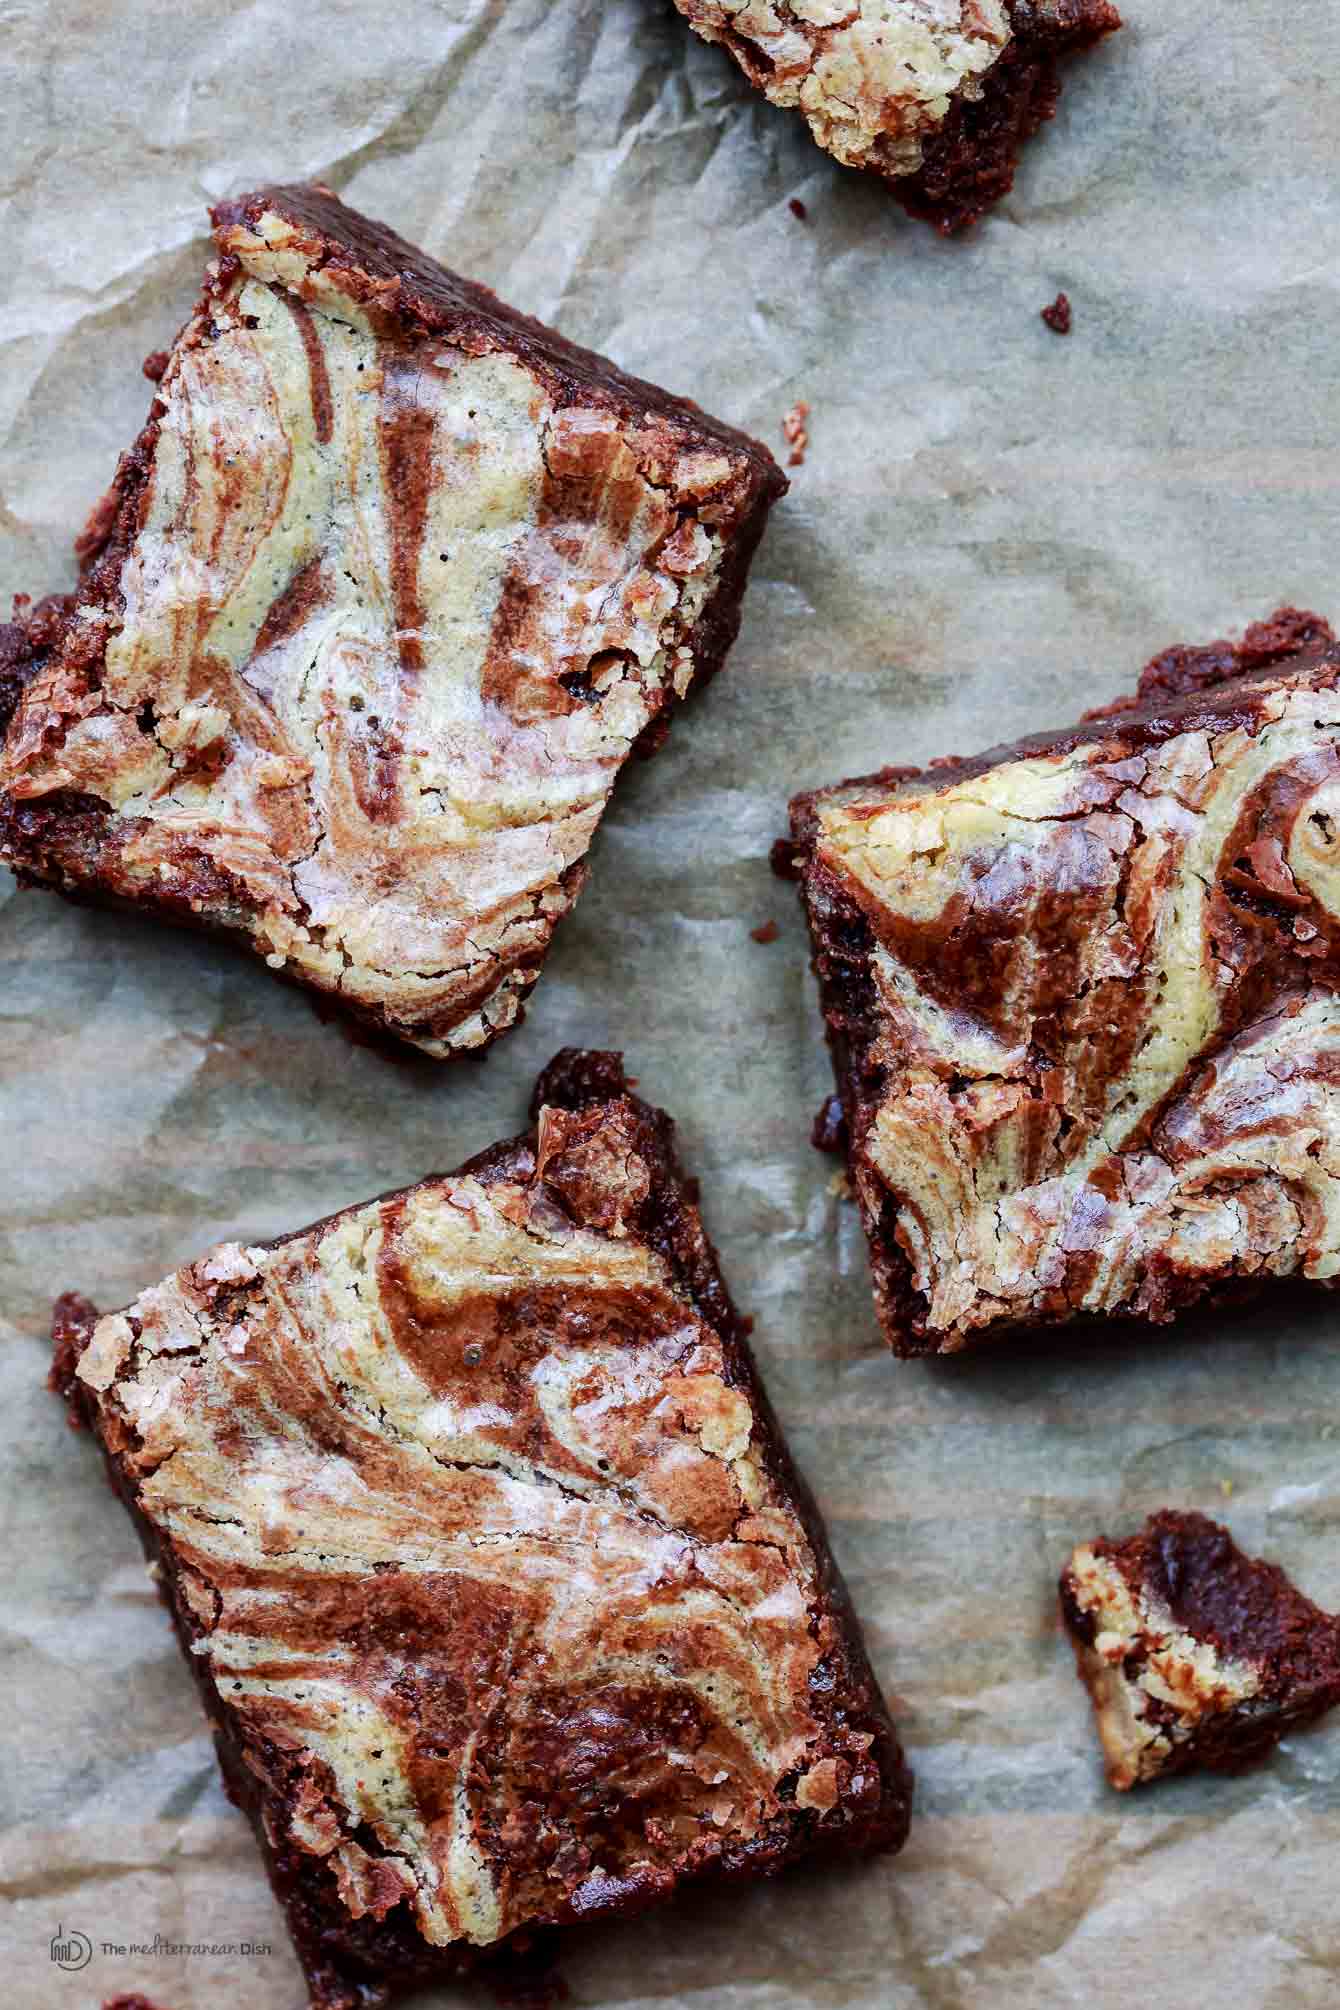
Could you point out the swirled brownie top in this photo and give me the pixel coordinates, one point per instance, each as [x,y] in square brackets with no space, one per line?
[384,596]
[490,1563]
[1082,994]
[936,96]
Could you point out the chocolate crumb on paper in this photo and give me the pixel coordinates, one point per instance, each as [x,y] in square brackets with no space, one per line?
[798,209]
[796,433]
[1059,317]
[767,931]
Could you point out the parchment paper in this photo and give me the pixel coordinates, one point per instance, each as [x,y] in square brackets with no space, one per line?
[994,528]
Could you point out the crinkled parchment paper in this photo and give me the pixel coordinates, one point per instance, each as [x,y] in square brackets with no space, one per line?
[994,527]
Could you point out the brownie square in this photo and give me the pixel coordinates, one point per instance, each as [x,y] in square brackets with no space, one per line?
[1194,1654]
[390,586]
[935,96]
[1081,995]
[504,1598]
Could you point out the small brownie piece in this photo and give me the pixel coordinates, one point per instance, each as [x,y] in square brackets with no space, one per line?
[1194,1654]
[383,597]
[1081,995]
[502,1593]
[935,96]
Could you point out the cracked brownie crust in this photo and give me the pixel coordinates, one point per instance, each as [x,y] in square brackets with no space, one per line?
[1082,999]
[936,96]
[1194,1655]
[506,1603]
[391,585]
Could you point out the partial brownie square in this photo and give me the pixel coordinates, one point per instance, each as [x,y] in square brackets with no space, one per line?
[390,586]
[1081,995]
[1194,1654]
[503,1596]
[935,96]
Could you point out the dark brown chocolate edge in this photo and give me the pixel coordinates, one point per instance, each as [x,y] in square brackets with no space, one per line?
[1181,688]
[356,1964]
[969,164]
[1247,1610]
[48,841]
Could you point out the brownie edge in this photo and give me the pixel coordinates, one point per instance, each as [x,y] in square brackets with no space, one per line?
[676,1694]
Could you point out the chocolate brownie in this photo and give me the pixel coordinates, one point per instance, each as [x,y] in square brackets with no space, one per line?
[1081,995]
[935,96]
[383,597]
[1194,1654]
[504,1598]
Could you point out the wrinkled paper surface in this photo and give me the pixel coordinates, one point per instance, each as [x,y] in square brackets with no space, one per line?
[993,529]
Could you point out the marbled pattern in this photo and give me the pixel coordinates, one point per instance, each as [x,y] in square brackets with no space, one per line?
[479,1540]
[1104,1038]
[398,607]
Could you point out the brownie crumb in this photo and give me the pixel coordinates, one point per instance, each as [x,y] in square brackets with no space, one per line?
[796,433]
[154,364]
[797,209]
[767,931]
[1059,317]
[131,2001]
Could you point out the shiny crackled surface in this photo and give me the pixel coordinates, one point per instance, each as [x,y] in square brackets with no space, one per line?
[392,624]
[1153,1683]
[1104,1018]
[873,79]
[464,1510]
